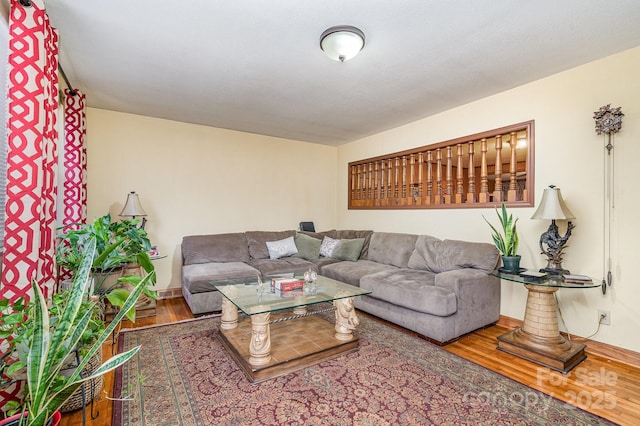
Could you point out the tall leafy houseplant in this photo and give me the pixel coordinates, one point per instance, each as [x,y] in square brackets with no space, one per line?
[506,239]
[117,243]
[52,339]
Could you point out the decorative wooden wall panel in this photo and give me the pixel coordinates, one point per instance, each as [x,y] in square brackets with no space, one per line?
[462,173]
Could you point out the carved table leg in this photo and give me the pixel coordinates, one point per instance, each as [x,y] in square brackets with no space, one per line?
[300,310]
[260,345]
[346,319]
[229,318]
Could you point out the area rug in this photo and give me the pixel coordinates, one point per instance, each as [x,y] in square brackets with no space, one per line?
[184,376]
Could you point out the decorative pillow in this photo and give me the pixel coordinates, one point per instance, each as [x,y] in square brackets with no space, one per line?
[328,245]
[350,234]
[348,249]
[281,248]
[257,241]
[308,247]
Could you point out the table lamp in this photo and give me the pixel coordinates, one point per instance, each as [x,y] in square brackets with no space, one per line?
[552,207]
[132,208]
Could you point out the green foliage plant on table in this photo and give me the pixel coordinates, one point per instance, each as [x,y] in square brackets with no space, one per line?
[506,241]
[52,339]
[117,243]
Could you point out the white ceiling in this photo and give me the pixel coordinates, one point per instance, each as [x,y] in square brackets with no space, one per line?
[256,65]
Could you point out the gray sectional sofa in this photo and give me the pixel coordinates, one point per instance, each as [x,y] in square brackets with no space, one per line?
[440,289]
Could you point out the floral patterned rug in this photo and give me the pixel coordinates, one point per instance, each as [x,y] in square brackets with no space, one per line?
[183,376]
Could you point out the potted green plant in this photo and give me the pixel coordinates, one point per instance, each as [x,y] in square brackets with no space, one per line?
[13,325]
[117,243]
[52,337]
[506,240]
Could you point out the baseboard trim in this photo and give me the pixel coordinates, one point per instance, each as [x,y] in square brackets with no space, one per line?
[169,293]
[605,350]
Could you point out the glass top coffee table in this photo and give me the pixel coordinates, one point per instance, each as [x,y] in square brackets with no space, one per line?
[284,333]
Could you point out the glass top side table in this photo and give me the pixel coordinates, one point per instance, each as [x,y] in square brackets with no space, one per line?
[539,339]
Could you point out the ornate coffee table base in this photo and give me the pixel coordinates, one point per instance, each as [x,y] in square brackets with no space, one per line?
[267,347]
[539,339]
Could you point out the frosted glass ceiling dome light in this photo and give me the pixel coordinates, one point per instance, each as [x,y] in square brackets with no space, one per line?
[342,43]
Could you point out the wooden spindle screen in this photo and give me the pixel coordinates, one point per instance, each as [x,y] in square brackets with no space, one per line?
[480,170]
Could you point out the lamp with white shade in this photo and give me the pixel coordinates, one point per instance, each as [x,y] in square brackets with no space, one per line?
[133,208]
[552,207]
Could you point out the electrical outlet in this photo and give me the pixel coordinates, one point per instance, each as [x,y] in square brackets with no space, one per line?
[604,317]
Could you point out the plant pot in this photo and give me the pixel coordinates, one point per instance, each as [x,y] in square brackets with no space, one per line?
[105,280]
[66,284]
[91,388]
[15,420]
[511,263]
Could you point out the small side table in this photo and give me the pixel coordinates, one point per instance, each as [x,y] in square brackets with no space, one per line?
[145,306]
[539,339]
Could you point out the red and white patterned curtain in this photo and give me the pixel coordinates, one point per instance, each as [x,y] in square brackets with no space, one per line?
[30,213]
[75,164]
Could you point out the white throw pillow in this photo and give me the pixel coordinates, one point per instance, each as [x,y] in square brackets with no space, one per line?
[328,246]
[282,248]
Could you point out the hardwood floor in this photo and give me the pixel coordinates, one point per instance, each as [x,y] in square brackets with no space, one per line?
[601,384]
[607,383]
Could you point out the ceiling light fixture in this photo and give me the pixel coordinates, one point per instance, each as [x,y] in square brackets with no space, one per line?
[342,42]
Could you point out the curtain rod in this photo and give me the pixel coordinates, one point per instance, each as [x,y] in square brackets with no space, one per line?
[72,92]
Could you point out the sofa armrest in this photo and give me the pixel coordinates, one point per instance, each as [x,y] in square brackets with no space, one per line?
[456,277]
[478,297]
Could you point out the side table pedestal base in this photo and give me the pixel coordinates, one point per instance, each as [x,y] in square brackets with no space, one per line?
[556,353]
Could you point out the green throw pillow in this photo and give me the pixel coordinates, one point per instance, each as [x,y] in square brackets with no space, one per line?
[348,249]
[308,247]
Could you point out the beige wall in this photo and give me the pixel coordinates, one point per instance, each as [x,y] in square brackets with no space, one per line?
[195,180]
[570,155]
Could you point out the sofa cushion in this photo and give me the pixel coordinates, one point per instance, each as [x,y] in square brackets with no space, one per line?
[351,272]
[281,248]
[308,247]
[320,235]
[391,248]
[214,248]
[202,277]
[257,241]
[285,265]
[327,246]
[322,261]
[342,234]
[432,254]
[412,289]
[348,249]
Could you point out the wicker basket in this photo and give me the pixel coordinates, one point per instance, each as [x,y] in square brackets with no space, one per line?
[91,388]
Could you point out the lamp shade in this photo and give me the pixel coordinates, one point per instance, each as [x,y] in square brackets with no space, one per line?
[133,207]
[342,43]
[552,206]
